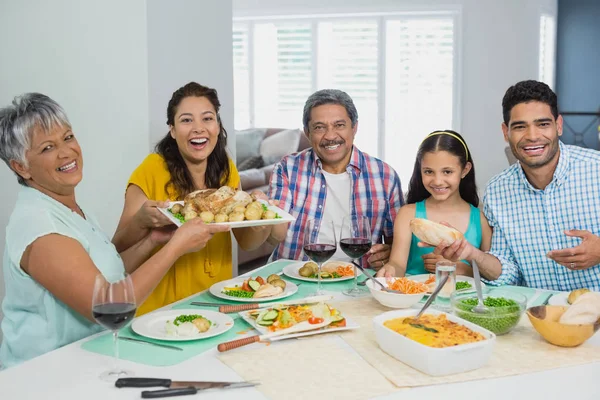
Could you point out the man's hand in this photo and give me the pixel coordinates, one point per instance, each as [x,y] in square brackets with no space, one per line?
[584,256]
[379,255]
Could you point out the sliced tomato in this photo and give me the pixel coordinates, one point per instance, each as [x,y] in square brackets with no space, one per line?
[260,280]
[339,324]
[315,320]
[246,287]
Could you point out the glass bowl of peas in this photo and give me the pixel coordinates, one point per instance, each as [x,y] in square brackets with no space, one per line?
[504,309]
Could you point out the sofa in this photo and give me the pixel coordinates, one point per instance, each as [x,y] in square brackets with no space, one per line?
[258,150]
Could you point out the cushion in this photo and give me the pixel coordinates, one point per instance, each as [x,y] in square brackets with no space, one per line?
[282,143]
[252,178]
[247,143]
[251,162]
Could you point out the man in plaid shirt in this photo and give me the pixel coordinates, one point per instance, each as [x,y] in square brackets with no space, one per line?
[333,179]
[545,209]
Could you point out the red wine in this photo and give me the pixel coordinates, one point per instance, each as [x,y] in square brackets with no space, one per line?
[114,315]
[355,247]
[319,252]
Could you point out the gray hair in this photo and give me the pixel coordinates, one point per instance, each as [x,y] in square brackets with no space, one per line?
[329,96]
[18,121]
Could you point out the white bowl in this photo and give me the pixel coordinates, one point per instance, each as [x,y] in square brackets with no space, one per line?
[431,360]
[392,300]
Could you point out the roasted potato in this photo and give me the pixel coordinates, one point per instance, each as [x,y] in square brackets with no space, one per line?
[313,266]
[207,217]
[272,277]
[202,324]
[191,214]
[278,283]
[252,213]
[221,218]
[255,204]
[177,208]
[236,217]
[574,295]
[241,209]
[269,214]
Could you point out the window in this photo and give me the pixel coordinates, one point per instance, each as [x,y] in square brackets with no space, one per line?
[398,69]
[547,49]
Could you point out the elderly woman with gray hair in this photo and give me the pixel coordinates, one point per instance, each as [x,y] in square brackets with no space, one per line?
[55,248]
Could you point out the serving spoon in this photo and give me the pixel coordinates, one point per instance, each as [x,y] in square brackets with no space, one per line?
[480,308]
[432,297]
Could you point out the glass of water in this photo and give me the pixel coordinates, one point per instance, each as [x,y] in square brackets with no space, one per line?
[442,269]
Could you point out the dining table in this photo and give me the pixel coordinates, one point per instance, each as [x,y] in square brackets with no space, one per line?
[72,372]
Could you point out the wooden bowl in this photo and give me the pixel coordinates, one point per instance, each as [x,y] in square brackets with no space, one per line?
[545,320]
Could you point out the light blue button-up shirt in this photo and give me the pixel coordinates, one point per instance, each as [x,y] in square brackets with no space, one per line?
[36,322]
[529,222]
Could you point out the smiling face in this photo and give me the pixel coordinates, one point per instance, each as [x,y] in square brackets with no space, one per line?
[55,164]
[532,134]
[442,172]
[331,135]
[196,129]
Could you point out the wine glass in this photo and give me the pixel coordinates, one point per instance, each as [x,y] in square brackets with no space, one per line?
[355,241]
[319,245]
[113,306]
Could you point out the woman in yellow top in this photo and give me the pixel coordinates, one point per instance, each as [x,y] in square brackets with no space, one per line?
[190,157]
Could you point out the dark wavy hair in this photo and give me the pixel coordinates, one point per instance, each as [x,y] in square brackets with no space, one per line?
[437,141]
[526,91]
[217,168]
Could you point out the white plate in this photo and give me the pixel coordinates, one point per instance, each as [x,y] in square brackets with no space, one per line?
[263,329]
[152,325]
[285,217]
[559,299]
[291,270]
[459,278]
[215,290]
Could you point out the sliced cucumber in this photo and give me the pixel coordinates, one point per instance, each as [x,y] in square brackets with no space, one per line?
[270,315]
[254,285]
[325,275]
[264,323]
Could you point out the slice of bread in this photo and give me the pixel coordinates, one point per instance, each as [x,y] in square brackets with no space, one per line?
[433,233]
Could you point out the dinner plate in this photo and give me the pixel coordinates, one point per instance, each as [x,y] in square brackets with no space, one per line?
[291,270]
[153,325]
[559,299]
[285,217]
[263,329]
[215,290]
[459,278]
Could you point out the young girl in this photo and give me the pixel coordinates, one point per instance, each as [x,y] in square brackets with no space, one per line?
[442,189]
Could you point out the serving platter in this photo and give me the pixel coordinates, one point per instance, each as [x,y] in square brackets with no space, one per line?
[284,217]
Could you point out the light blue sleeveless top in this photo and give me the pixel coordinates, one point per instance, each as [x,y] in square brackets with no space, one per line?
[36,322]
[415,265]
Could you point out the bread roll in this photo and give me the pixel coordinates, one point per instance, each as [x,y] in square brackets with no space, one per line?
[433,233]
[585,310]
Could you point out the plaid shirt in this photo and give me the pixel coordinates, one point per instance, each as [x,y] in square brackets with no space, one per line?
[529,222]
[299,185]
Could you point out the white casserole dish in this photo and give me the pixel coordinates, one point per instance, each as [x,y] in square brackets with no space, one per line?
[430,360]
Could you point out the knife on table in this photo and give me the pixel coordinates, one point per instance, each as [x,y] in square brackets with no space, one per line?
[256,306]
[176,388]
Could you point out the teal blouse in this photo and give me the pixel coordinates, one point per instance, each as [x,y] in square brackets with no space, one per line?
[415,265]
[36,322]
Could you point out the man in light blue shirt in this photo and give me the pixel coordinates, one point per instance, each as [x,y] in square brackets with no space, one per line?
[545,209]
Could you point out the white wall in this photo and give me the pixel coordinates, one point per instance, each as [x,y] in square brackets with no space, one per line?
[112,65]
[499,48]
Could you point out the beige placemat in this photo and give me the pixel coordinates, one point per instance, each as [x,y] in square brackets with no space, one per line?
[521,351]
[321,367]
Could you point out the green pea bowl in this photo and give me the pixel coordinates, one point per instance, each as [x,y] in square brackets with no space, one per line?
[505,309]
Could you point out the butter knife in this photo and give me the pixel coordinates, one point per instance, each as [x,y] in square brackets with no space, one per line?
[166,346]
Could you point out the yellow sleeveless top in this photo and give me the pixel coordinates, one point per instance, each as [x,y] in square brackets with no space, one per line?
[192,272]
